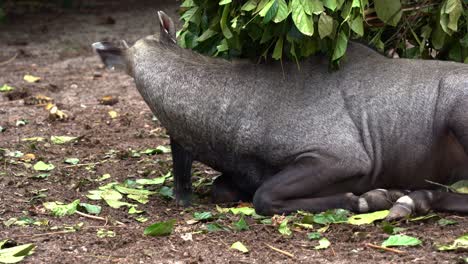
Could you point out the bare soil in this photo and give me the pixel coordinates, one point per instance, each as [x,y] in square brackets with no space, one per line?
[56,47]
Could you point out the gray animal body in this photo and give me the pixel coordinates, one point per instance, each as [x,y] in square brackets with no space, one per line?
[309,138]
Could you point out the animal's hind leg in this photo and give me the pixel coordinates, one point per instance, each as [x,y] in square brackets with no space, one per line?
[420,202]
[312,183]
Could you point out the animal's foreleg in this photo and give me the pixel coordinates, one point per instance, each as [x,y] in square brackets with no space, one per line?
[182,168]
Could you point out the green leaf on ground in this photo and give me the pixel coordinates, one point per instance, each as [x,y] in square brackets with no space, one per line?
[331,217]
[157,150]
[59,209]
[104,177]
[6,88]
[215,227]
[160,228]
[446,222]
[101,233]
[31,79]
[133,210]
[42,166]
[166,192]
[33,139]
[15,254]
[60,140]
[423,217]
[401,240]
[200,216]
[363,219]
[155,181]
[72,161]
[239,246]
[91,209]
[324,243]
[459,243]
[241,225]
[314,236]
[284,228]
[391,229]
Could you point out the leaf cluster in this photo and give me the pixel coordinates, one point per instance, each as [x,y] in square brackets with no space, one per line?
[297,29]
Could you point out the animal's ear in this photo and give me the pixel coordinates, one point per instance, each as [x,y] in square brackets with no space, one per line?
[111,55]
[167,26]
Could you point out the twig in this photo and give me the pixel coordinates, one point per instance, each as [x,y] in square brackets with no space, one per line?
[280,251]
[91,216]
[385,248]
[3,63]
[86,164]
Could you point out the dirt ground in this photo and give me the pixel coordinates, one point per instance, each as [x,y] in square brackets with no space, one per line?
[56,47]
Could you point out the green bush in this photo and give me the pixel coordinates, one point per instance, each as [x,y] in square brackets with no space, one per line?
[300,28]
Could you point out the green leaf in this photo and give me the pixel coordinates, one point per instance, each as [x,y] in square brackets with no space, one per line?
[112,198]
[401,240]
[450,12]
[331,217]
[390,229]
[126,190]
[225,2]
[206,35]
[60,140]
[269,11]
[104,177]
[283,11]
[72,161]
[160,228]
[325,25]
[59,209]
[330,4]
[90,208]
[388,11]
[239,246]
[324,243]
[101,233]
[249,5]
[357,25]
[202,216]
[341,45]
[316,6]
[188,3]
[460,186]
[284,228]
[242,210]
[223,23]
[459,243]
[314,236]
[133,210]
[6,88]
[15,254]
[157,150]
[241,225]
[303,22]
[446,222]
[42,166]
[278,51]
[363,219]
[166,192]
[215,227]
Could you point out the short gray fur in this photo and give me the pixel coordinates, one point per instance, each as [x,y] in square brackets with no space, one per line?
[389,123]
